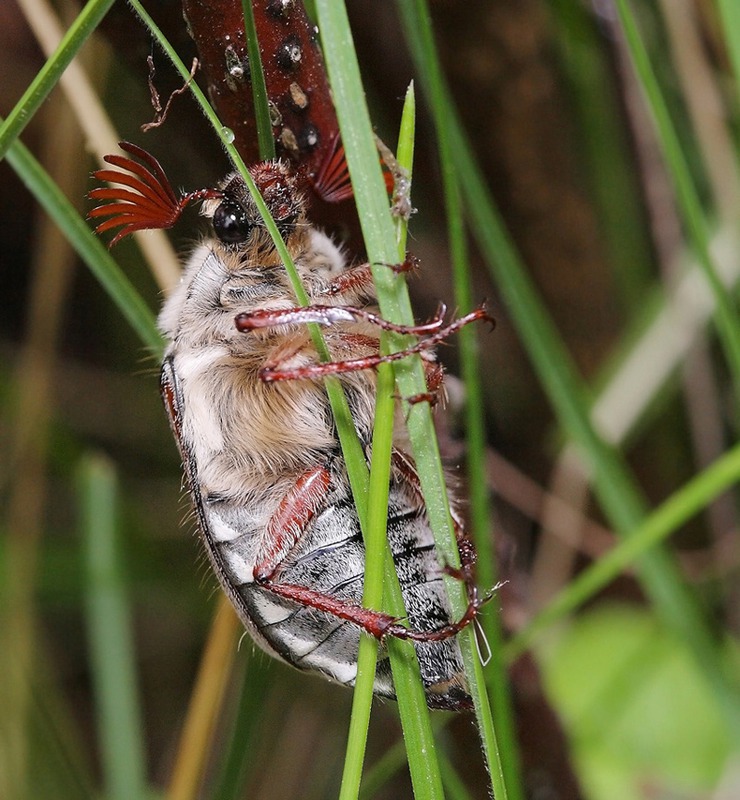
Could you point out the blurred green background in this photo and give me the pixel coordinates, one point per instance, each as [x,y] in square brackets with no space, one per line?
[95,526]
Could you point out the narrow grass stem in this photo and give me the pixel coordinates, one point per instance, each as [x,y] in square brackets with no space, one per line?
[381,589]
[730,15]
[352,449]
[249,712]
[265,138]
[615,486]
[686,193]
[48,76]
[372,597]
[664,521]
[378,560]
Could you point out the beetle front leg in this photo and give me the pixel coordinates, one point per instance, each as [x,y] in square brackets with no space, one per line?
[330,315]
[272,372]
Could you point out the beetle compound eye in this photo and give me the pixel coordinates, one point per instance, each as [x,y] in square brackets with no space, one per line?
[231,224]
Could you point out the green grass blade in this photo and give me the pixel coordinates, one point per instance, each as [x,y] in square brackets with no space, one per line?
[46,79]
[730,16]
[615,487]
[87,244]
[454,786]
[381,244]
[375,552]
[377,560]
[111,643]
[265,138]
[379,567]
[242,741]
[58,766]
[416,15]
[608,160]
[404,663]
[665,520]
[686,193]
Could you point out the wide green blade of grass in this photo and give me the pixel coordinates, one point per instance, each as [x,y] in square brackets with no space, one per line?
[112,650]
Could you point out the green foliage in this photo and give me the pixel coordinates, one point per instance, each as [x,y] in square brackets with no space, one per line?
[637,709]
[648,696]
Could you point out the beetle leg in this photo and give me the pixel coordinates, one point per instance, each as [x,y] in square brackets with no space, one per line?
[376,623]
[297,352]
[360,278]
[435,378]
[270,373]
[410,478]
[356,279]
[284,530]
[330,315]
[446,631]
[287,524]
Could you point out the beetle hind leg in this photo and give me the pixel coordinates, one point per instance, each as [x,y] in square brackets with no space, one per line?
[376,623]
[285,531]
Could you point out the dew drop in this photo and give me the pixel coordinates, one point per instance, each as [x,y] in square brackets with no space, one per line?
[227,135]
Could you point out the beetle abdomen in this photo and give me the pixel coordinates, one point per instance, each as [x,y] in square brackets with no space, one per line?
[330,558]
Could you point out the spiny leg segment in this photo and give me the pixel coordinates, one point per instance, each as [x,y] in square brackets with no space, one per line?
[285,529]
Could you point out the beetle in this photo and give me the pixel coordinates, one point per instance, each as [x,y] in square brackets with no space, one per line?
[243,387]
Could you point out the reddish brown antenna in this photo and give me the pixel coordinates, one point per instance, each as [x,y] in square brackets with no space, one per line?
[152,204]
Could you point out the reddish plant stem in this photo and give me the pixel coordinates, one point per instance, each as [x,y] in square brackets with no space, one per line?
[304,121]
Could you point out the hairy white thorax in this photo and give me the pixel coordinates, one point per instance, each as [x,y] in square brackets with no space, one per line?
[244,432]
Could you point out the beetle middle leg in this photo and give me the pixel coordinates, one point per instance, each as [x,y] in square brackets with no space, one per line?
[287,524]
